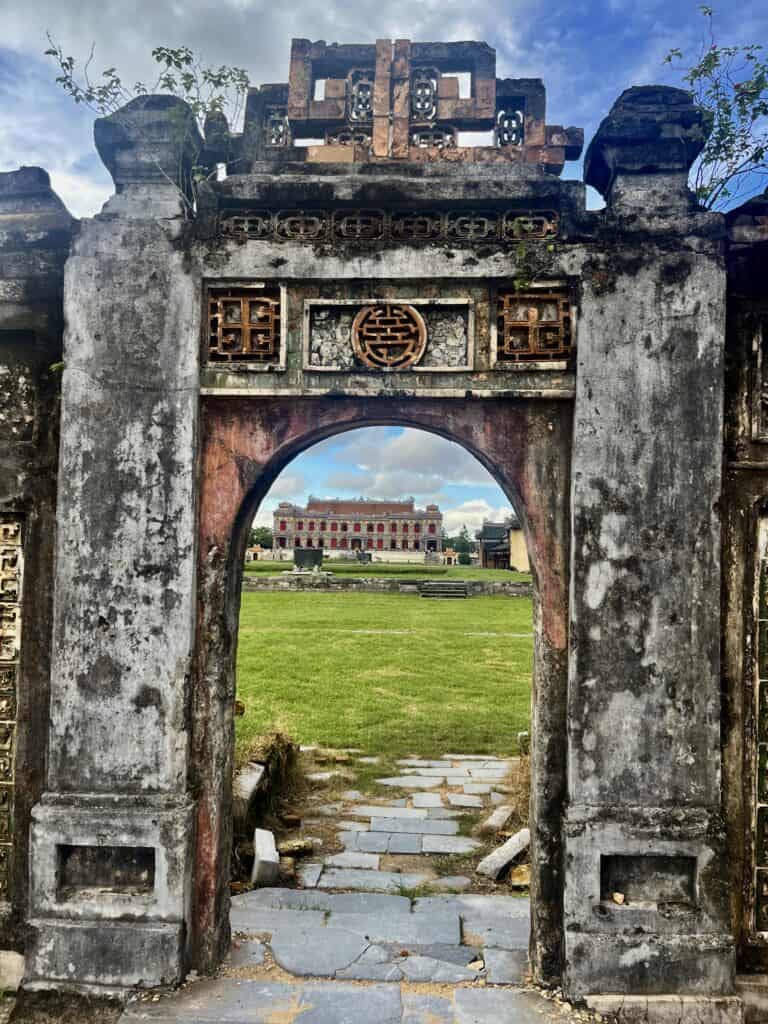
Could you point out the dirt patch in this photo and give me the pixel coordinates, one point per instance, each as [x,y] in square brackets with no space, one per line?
[64,1008]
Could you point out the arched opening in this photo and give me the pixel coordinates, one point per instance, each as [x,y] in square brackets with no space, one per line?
[246,445]
[386,506]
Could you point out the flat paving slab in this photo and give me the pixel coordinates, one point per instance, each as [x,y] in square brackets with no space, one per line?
[356,927]
[282,899]
[505,966]
[230,1001]
[264,921]
[448,844]
[427,800]
[251,1001]
[366,842]
[309,874]
[369,881]
[421,929]
[404,842]
[463,800]
[246,954]
[418,1009]
[368,903]
[413,781]
[353,859]
[418,826]
[317,952]
[374,811]
[492,1006]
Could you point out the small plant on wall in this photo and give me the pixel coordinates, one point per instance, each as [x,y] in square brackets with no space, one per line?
[214,95]
[730,83]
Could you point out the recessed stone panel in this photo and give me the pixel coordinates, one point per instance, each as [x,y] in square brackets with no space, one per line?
[650,878]
[115,868]
[330,335]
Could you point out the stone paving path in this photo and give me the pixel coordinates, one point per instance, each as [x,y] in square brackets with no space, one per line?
[368,942]
[418,826]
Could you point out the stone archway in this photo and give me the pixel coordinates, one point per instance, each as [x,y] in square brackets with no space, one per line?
[245,315]
[245,444]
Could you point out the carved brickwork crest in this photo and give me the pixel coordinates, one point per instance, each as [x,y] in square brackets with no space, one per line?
[389,336]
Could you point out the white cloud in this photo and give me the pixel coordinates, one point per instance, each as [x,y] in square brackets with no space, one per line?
[413,461]
[471,514]
[288,486]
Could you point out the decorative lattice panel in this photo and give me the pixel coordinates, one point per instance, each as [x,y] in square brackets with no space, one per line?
[533,327]
[10,643]
[244,326]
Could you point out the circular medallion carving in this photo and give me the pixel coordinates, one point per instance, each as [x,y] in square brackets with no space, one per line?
[389,336]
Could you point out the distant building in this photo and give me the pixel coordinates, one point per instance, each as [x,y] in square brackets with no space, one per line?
[450,557]
[389,530]
[502,545]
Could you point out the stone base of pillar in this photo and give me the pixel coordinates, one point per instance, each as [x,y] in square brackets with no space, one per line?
[753,992]
[111,880]
[104,957]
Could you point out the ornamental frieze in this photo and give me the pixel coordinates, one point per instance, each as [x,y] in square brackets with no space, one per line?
[456,227]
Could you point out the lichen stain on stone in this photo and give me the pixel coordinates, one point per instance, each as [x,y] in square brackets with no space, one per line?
[148,697]
[103,679]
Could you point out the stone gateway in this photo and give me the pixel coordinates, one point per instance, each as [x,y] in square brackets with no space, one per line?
[607,367]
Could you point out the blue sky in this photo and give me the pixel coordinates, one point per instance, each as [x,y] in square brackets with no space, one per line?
[587,52]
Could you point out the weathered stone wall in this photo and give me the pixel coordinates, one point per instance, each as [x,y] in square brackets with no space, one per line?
[339,584]
[123,634]
[644,752]
[35,232]
[745,514]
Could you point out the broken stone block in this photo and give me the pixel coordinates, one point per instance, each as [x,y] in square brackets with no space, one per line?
[248,783]
[492,865]
[496,820]
[266,861]
[11,970]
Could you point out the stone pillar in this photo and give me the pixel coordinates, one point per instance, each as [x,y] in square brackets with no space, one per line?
[112,832]
[35,233]
[645,903]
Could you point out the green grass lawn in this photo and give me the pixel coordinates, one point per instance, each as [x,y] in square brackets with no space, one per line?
[408,570]
[388,673]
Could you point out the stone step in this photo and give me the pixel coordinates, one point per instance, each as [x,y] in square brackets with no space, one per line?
[256,1001]
[413,782]
[443,590]
[415,826]
[369,881]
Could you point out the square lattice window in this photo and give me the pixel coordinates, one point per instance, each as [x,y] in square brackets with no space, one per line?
[244,326]
[533,327]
